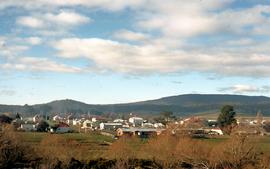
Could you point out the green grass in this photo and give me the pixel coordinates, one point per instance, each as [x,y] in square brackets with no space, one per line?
[264,144]
[36,137]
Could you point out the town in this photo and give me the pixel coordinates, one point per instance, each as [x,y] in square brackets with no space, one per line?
[135,125]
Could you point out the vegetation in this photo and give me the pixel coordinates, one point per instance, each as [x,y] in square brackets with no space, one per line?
[42,126]
[91,150]
[5,119]
[226,120]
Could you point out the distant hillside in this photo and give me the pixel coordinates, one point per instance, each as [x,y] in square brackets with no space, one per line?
[181,104]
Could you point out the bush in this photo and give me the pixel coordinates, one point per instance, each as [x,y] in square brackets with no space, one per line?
[15,154]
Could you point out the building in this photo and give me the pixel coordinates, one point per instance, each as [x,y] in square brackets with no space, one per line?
[36,118]
[118,121]
[87,124]
[76,122]
[28,127]
[60,128]
[159,125]
[110,126]
[136,121]
[148,125]
[217,130]
[141,132]
[57,118]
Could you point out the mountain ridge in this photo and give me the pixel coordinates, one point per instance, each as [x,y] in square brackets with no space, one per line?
[185,104]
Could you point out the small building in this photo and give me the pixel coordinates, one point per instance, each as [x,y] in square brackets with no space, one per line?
[110,126]
[141,132]
[60,128]
[159,125]
[28,127]
[76,122]
[57,118]
[70,120]
[216,131]
[87,124]
[118,121]
[36,118]
[148,125]
[136,121]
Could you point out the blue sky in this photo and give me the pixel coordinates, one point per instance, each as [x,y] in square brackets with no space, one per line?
[115,51]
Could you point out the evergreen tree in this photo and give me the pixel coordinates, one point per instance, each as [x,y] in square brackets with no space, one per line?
[226,119]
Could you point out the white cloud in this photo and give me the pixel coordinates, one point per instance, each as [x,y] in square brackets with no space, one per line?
[112,5]
[34,40]
[67,18]
[169,28]
[151,58]
[10,50]
[241,42]
[38,64]
[30,21]
[240,88]
[53,22]
[175,18]
[130,35]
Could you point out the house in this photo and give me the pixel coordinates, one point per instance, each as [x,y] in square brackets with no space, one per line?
[148,125]
[57,118]
[28,127]
[215,131]
[159,125]
[136,121]
[118,121]
[141,132]
[76,122]
[17,123]
[36,118]
[110,126]
[87,124]
[70,119]
[60,128]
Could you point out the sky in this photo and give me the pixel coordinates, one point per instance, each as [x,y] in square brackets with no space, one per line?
[118,51]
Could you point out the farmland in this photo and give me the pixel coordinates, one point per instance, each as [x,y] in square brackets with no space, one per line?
[100,143]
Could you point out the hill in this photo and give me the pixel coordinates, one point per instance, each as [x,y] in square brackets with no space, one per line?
[181,104]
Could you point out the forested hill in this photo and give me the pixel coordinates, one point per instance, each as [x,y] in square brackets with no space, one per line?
[181,104]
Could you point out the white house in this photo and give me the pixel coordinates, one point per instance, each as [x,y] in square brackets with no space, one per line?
[110,126]
[36,118]
[28,127]
[141,132]
[136,121]
[148,125]
[57,118]
[87,124]
[76,122]
[118,121]
[159,125]
[217,130]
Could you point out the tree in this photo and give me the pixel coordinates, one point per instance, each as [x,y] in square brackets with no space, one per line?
[5,119]
[18,116]
[42,126]
[226,119]
[168,115]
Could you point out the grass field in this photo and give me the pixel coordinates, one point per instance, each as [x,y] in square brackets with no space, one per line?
[36,137]
[96,145]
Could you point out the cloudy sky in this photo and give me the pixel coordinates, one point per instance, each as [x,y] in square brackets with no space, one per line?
[112,51]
